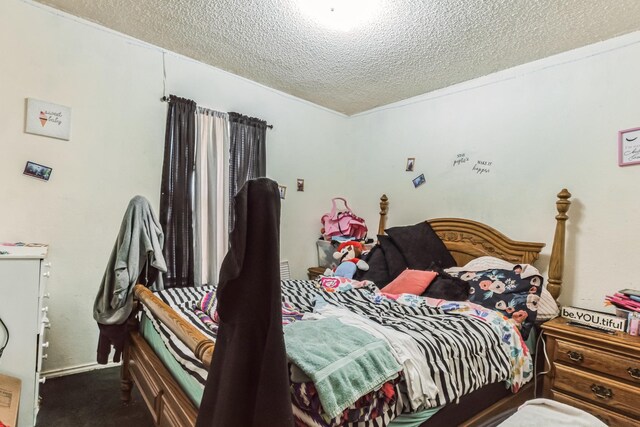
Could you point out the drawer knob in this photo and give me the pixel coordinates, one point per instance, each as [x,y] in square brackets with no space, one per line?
[634,373]
[601,392]
[575,356]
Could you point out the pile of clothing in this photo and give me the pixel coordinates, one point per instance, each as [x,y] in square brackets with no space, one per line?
[627,303]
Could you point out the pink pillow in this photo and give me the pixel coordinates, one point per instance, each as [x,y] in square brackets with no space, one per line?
[410,282]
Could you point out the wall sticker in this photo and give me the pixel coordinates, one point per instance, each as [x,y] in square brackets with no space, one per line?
[629,147]
[47,119]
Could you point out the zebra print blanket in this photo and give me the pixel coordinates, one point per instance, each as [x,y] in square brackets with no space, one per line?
[467,345]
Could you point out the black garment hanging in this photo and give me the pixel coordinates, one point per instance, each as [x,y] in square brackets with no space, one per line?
[248,382]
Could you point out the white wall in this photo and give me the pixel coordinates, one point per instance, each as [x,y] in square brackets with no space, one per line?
[113,85]
[546,125]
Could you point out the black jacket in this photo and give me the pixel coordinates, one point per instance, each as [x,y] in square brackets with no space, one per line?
[248,383]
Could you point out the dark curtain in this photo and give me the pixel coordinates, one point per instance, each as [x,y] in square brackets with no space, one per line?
[247,158]
[176,197]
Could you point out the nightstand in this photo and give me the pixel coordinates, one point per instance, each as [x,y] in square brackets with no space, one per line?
[314,272]
[594,371]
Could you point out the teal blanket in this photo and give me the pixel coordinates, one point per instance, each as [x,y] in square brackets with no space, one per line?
[343,361]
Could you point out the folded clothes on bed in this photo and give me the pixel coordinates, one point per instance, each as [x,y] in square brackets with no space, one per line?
[344,362]
[421,387]
[377,408]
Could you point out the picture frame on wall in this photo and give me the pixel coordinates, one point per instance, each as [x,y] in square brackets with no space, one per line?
[411,161]
[629,147]
[47,119]
[36,170]
[283,191]
[300,184]
[419,180]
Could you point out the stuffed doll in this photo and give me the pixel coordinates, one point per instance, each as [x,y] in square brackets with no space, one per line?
[348,254]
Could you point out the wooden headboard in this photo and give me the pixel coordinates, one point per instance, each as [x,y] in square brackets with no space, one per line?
[467,239]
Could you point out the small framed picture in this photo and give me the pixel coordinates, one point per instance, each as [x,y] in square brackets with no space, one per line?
[629,147]
[48,119]
[37,171]
[300,184]
[411,161]
[419,180]
[283,191]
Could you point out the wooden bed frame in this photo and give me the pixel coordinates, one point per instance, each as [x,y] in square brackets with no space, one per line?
[465,239]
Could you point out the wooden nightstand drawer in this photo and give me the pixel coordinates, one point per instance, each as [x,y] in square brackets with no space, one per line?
[604,391]
[625,368]
[608,417]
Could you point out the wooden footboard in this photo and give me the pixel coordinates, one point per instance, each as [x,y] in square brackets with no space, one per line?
[195,340]
[167,402]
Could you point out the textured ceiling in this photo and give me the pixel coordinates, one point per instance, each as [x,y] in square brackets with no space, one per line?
[406,48]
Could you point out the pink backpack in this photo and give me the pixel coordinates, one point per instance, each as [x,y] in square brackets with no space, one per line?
[343,223]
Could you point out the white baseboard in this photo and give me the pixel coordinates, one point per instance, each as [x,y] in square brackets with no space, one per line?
[54,373]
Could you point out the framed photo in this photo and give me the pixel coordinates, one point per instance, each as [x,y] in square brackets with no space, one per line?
[47,119]
[38,171]
[283,191]
[629,147]
[419,180]
[411,161]
[300,184]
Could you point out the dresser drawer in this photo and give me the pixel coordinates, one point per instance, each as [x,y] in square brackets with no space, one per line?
[625,368]
[610,393]
[608,417]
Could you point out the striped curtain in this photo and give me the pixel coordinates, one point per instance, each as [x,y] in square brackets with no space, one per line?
[248,158]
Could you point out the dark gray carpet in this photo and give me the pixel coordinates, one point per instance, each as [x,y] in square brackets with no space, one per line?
[90,399]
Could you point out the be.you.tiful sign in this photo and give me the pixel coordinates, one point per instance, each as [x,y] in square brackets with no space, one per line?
[47,119]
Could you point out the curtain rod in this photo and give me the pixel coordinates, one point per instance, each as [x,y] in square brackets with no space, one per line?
[166,99]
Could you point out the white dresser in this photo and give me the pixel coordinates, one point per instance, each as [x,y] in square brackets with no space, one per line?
[23,308]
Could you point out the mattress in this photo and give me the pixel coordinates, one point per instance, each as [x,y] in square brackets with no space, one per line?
[187,382]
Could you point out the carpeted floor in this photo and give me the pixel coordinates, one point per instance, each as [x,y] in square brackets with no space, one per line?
[90,399]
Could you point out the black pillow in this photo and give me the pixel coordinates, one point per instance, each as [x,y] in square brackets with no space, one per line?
[421,246]
[446,286]
[378,272]
[396,263]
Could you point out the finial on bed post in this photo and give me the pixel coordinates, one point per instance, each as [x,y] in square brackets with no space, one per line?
[384,209]
[556,264]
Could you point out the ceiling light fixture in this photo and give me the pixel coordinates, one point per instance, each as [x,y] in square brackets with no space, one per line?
[343,15]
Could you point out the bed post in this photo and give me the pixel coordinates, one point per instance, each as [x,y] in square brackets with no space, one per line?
[556,264]
[126,383]
[384,210]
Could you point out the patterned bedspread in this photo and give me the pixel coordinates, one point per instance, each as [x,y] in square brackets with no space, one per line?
[466,345]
